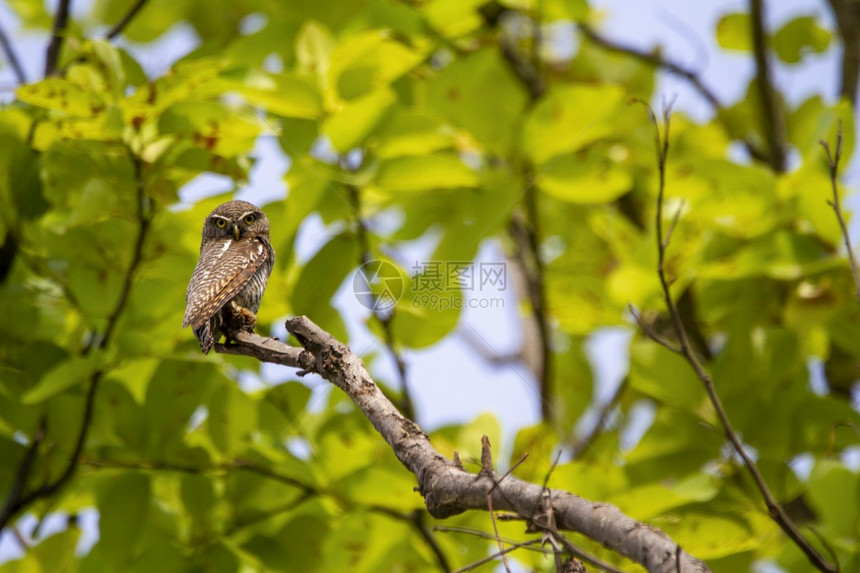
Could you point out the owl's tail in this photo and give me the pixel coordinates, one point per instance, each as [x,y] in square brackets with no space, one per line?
[204,335]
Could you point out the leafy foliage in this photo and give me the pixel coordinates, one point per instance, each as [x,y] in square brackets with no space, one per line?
[429,114]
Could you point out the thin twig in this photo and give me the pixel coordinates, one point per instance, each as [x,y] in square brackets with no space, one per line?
[687,74]
[656,61]
[58,34]
[12,57]
[497,554]
[583,554]
[649,331]
[487,469]
[15,503]
[773,124]
[775,509]
[125,20]
[383,319]
[833,160]
[427,535]
[584,443]
[11,506]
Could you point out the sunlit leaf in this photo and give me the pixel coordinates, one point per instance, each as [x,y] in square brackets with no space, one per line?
[733,32]
[799,37]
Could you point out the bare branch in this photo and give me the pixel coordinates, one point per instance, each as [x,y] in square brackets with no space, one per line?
[833,159]
[125,20]
[384,320]
[58,35]
[449,490]
[525,232]
[775,509]
[265,349]
[16,494]
[649,331]
[773,124]
[584,443]
[12,56]
[655,60]
[496,555]
[847,16]
[687,74]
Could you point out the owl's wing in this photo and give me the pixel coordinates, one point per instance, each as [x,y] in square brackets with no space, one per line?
[225,267]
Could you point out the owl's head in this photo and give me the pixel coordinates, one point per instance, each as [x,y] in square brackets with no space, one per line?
[234,220]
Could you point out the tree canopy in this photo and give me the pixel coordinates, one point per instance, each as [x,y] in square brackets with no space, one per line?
[720,245]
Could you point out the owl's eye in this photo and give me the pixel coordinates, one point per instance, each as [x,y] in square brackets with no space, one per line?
[220,223]
[249,219]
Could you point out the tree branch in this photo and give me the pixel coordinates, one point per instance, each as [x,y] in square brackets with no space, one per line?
[833,160]
[673,68]
[449,490]
[847,16]
[584,443]
[58,34]
[125,20]
[773,124]
[384,319]
[775,509]
[527,257]
[655,60]
[12,56]
[17,500]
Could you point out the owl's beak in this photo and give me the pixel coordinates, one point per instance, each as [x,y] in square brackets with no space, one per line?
[236,231]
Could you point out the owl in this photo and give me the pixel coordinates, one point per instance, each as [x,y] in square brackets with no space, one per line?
[236,260]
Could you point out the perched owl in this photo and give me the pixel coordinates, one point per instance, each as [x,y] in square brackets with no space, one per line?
[236,260]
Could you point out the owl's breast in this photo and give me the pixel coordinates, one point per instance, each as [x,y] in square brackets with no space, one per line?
[252,293]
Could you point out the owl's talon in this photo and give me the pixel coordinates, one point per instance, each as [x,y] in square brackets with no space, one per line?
[241,318]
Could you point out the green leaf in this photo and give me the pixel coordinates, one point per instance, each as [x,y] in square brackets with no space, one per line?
[412,132]
[198,497]
[64,376]
[550,10]
[799,37]
[424,317]
[57,552]
[369,61]
[123,510]
[62,95]
[287,95]
[314,44]
[710,536]
[174,392]
[491,121]
[350,126]
[413,173]
[578,180]
[453,18]
[834,493]
[569,118]
[663,375]
[210,125]
[321,277]
[647,501]
[734,32]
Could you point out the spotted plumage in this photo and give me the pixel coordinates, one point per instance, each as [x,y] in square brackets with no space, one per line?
[236,260]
